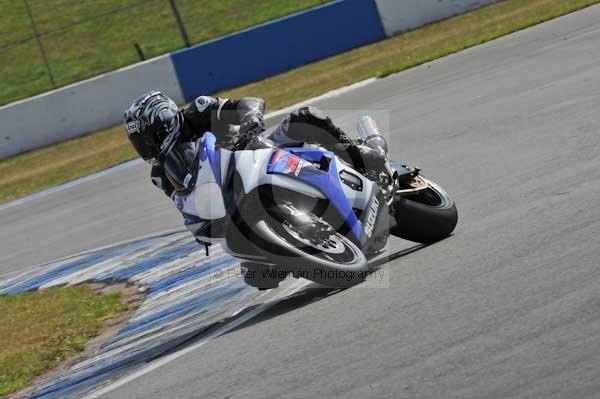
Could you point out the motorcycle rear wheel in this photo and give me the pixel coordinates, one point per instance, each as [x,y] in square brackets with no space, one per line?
[427,217]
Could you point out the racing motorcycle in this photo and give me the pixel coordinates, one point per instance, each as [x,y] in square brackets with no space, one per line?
[302,211]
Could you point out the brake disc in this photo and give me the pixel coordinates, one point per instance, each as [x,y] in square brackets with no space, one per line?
[328,243]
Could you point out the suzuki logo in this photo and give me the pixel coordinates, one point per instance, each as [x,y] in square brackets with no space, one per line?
[370,223]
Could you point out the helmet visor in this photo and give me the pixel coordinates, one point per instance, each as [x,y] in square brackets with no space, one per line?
[146,145]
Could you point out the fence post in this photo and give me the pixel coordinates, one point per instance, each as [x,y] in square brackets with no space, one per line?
[184,35]
[139,51]
[39,43]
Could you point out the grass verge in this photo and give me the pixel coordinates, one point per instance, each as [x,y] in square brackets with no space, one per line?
[40,329]
[42,168]
[78,35]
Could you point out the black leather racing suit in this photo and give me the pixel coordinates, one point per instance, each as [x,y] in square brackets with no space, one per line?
[216,115]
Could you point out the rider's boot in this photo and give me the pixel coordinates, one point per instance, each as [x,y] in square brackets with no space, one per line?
[367,160]
[309,124]
[373,162]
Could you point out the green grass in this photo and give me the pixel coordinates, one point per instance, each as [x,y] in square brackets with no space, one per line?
[97,45]
[40,329]
[42,168]
[45,167]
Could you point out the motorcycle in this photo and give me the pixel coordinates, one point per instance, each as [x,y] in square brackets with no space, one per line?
[303,211]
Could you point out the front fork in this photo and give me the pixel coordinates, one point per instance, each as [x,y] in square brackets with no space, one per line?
[394,181]
[405,182]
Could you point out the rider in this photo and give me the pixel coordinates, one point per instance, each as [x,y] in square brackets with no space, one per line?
[165,137]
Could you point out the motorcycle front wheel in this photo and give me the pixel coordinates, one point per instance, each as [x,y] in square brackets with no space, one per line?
[334,260]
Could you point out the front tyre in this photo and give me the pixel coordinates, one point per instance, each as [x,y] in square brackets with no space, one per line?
[331,259]
[426,217]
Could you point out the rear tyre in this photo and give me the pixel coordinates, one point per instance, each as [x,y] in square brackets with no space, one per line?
[427,217]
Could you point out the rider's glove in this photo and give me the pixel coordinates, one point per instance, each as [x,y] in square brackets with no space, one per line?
[251,126]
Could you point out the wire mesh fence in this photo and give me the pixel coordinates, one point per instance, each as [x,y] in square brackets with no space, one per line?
[51,43]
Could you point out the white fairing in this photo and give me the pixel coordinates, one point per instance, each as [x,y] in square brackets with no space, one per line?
[206,200]
[252,166]
[358,199]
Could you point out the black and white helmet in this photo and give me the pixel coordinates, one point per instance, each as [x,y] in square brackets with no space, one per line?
[153,124]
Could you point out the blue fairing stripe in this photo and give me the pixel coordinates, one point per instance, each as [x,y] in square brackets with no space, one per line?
[209,150]
[327,183]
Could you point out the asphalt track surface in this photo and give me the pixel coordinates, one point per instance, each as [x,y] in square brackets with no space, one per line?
[508,306]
